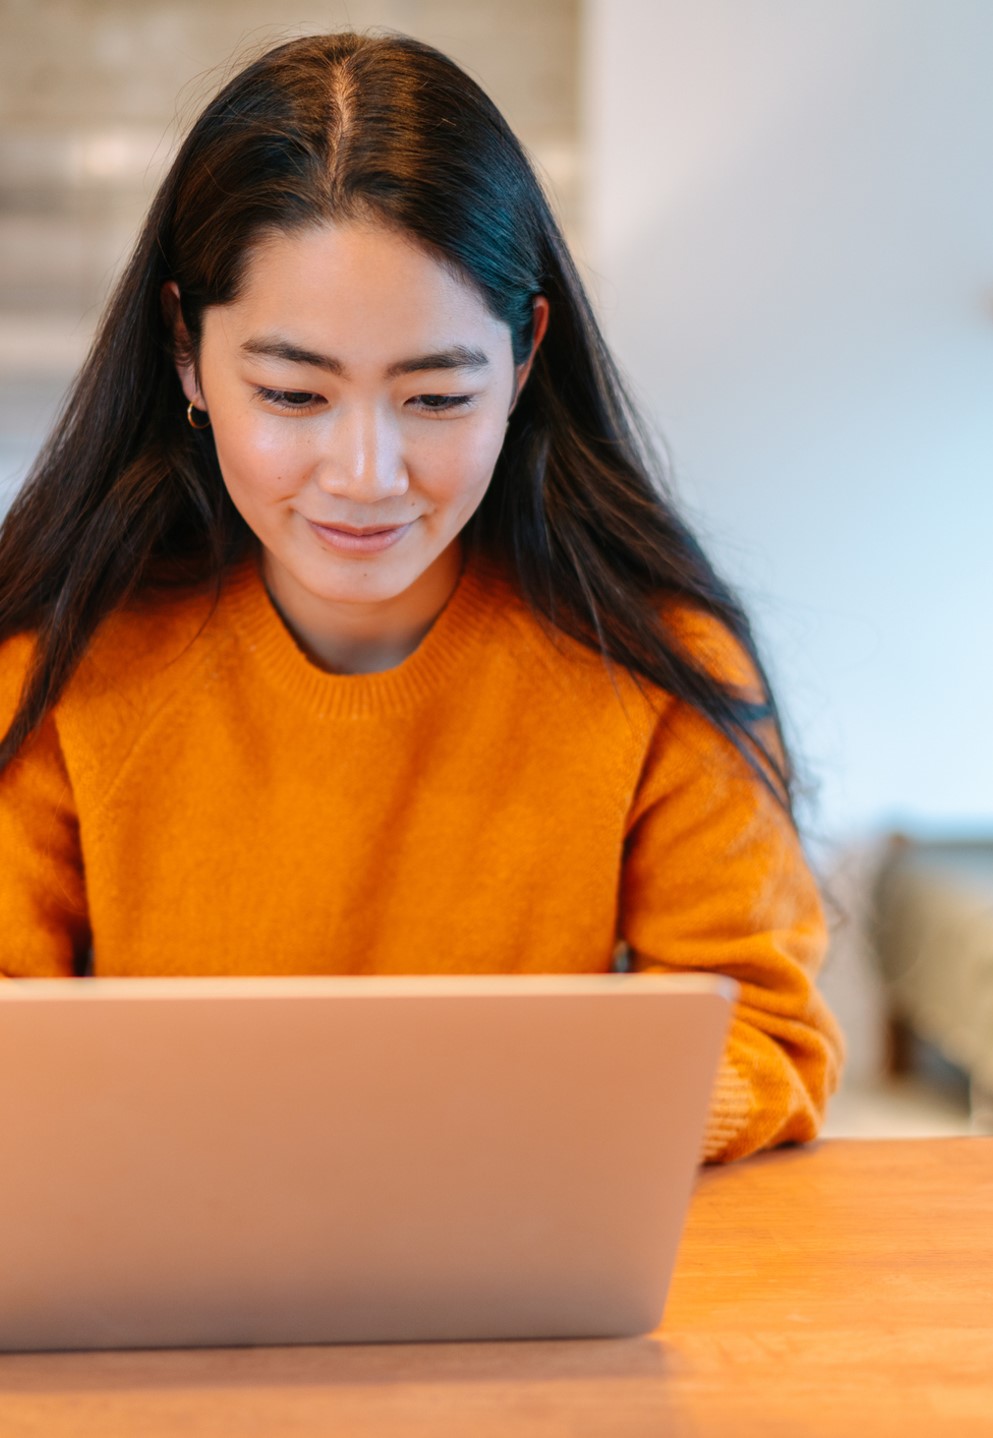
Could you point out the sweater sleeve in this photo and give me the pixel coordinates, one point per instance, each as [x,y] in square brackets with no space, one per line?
[44,931]
[715,880]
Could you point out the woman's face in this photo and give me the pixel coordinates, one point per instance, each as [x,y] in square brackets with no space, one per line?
[358,394]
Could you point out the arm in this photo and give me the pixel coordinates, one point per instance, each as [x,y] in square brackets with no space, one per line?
[44,931]
[715,880]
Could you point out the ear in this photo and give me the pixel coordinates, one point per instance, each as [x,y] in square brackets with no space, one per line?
[540,313]
[182,345]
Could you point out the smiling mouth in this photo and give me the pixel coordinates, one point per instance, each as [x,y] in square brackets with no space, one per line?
[355,529]
[350,539]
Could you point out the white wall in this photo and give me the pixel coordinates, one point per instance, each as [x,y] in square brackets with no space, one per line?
[791,231]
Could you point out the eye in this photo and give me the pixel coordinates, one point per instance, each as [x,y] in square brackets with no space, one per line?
[441,403]
[289,399]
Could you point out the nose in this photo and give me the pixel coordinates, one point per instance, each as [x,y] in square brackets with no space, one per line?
[362,457]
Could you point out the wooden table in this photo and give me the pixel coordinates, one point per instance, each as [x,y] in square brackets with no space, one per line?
[843,1289]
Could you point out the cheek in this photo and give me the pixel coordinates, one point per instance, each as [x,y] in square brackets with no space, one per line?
[254,461]
[463,467]
[487,455]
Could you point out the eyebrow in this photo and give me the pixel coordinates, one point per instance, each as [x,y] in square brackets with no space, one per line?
[456,357]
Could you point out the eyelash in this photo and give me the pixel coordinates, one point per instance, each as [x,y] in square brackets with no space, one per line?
[283,399]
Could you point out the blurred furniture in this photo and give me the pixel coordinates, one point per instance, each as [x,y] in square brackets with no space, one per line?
[932,921]
[842,1288]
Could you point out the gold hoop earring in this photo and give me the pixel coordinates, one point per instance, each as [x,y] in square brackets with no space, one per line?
[191,421]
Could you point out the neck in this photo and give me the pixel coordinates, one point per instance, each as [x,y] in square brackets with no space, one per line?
[364,638]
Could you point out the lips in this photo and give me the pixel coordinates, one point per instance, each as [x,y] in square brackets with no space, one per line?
[354,529]
[350,539]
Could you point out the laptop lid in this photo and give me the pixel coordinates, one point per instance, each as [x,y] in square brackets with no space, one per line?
[268,1161]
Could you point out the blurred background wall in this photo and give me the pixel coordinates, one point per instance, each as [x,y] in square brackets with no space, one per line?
[789,215]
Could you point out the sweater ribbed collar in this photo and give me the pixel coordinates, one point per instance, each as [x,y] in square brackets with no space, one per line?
[247,611]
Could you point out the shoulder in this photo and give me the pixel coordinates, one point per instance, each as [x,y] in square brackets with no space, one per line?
[693,634]
[697,634]
[141,658]
[557,663]
[15,661]
[711,646]
[152,640]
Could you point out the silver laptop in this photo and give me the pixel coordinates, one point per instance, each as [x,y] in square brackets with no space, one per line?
[337,1160]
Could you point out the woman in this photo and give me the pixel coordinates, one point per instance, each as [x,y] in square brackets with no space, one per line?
[344,629]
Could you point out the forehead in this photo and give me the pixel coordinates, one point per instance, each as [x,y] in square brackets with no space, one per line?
[359,286]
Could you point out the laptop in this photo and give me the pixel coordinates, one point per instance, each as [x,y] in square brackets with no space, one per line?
[191,1162]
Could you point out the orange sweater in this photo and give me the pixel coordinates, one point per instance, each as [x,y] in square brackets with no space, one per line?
[204,800]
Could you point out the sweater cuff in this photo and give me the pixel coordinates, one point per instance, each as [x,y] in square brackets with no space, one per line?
[730,1109]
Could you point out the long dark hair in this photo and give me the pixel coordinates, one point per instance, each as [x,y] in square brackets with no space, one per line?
[125,497]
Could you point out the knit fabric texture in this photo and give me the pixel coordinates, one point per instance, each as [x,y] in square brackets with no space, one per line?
[204,799]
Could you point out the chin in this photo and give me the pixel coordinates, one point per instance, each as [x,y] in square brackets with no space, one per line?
[375,584]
